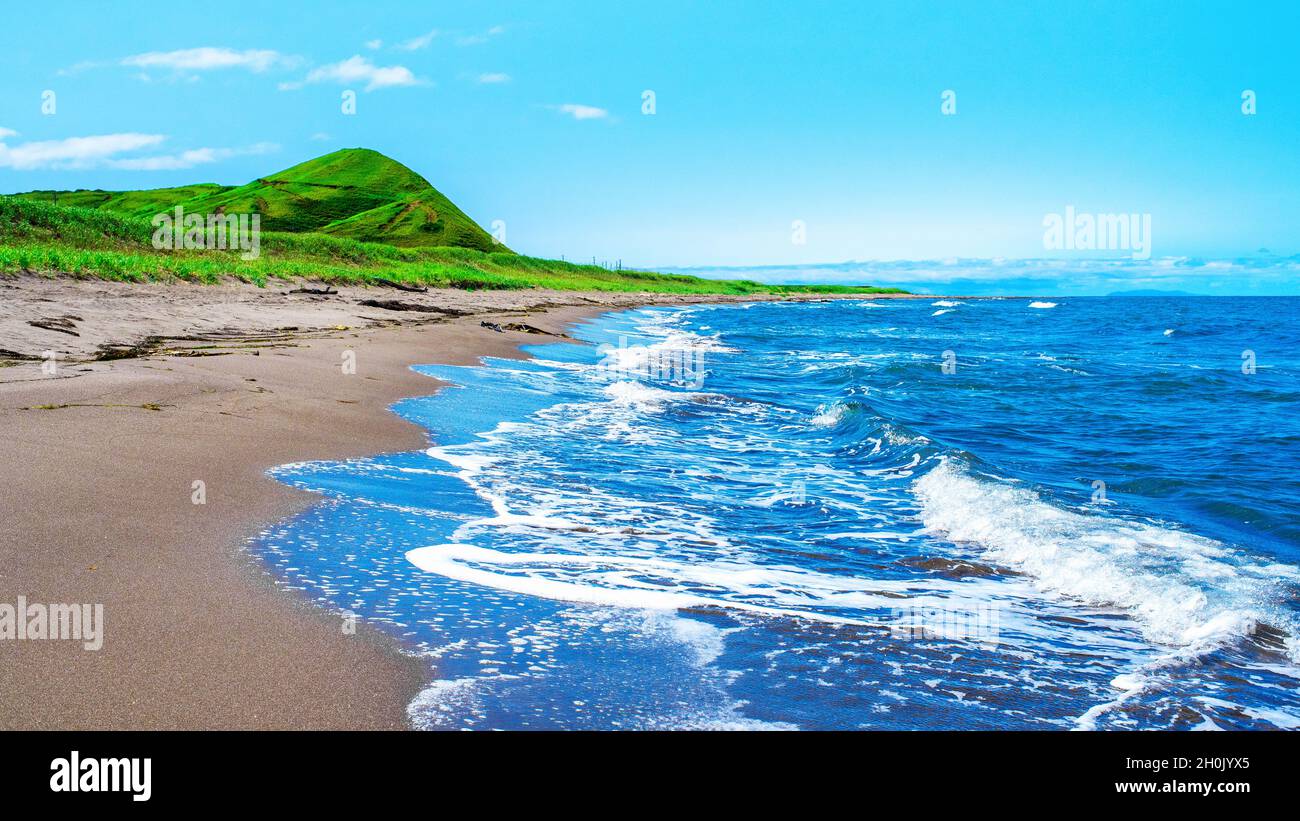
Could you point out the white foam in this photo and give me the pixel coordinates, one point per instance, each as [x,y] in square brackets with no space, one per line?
[1183,590]
[875,535]
[664,584]
[942,311]
[643,397]
[828,417]
[944,303]
[1042,305]
[674,346]
[442,700]
[468,463]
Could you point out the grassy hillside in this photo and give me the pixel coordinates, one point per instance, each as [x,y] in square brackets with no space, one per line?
[37,236]
[355,194]
[130,203]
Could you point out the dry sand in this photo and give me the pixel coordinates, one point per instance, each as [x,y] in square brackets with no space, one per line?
[98,461]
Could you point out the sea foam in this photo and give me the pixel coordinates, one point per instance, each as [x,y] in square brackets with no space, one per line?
[1182,589]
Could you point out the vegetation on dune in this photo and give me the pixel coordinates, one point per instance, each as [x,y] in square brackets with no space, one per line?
[131,203]
[354,193]
[320,221]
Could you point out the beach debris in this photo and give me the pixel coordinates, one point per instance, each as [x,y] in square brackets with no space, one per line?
[326,291]
[61,324]
[115,350]
[520,327]
[399,305]
[209,343]
[401,286]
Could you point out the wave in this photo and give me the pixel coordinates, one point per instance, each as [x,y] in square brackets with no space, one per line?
[644,397]
[1182,590]
[625,356]
[829,417]
[664,584]
[1042,305]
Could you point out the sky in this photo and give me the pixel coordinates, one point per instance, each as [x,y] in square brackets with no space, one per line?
[782,134]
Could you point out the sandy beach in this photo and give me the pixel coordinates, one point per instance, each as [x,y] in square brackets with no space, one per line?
[156,387]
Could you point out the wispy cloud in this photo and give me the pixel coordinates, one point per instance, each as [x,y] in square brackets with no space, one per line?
[477,39]
[357,69]
[73,152]
[494,77]
[107,150]
[320,136]
[77,68]
[417,43]
[374,44]
[210,58]
[188,159]
[581,112]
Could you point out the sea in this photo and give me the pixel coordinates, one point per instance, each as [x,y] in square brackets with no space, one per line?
[867,513]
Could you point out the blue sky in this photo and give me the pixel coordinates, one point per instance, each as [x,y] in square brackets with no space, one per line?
[766,113]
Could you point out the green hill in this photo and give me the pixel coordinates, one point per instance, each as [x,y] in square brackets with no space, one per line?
[355,194]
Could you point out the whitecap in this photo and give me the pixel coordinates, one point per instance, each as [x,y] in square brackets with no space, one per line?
[1183,590]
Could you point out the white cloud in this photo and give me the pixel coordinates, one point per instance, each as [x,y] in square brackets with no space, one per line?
[494,77]
[188,159]
[77,68]
[320,136]
[7,132]
[106,150]
[209,58]
[581,112]
[477,39]
[358,69]
[417,43]
[374,44]
[73,152]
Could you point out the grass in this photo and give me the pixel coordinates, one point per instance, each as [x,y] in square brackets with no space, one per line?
[354,193]
[108,235]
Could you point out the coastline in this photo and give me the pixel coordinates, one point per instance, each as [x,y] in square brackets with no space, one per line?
[197,634]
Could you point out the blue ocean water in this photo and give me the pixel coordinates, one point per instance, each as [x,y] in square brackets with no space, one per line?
[878,514]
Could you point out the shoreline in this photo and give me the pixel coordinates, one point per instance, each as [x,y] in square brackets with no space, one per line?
[100,478]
